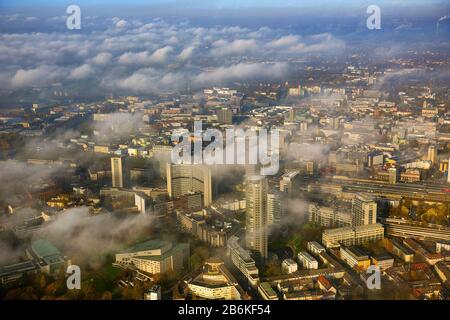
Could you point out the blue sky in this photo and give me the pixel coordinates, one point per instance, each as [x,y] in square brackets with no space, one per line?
[218,3]
[177,7]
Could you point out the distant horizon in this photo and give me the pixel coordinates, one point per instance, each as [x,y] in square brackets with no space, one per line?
[224,5]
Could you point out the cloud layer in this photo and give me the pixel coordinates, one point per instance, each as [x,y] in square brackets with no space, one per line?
[138,57]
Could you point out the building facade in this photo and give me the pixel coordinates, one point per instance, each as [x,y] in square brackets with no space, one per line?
[257,215]
[183,179]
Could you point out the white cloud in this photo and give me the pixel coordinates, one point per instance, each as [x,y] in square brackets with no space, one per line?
[121,57]
[283,42]
[236,47]
[150,80]
[160,55]
[144,57]
[186,54]
[102,58]
[242,71]
[31,19]
[38,76]
[81,72]
[121,24]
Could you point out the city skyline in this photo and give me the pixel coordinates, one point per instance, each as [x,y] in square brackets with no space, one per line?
[229,150]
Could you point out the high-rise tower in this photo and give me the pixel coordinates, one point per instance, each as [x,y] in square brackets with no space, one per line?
[257,215]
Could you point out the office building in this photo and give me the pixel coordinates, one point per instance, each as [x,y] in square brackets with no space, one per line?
[184,179]
[393,175]
[329,216]
[243,261]
[350,236]
[117,172]
[432,154]
[375,159]
[274,209]
[155,256]
[141,201]
[196,225]
[414,229]
[140,176]
[48,256]
[289,182]
[355,258]
[364,211]
[442,246]
[368,233]
[251,169]
[400,250]
[256,215]
[214,281]
[162,153]
[295,91]
[225,116]
[292,114]
[13,273]
[383,261]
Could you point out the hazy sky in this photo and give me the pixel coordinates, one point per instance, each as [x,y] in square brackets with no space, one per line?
[170,45]
[222,3]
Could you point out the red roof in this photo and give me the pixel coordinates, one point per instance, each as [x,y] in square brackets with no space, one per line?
[325,282]
[419,266]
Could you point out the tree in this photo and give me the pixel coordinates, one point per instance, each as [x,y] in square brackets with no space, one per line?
[107,295]
[137,293]
[272,268]
[295,243]
[26,293]
[50,290]
[42,282]
[195,261]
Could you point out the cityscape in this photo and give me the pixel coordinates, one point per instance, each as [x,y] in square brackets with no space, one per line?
[222,150]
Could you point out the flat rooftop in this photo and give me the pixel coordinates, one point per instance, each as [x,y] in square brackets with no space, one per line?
[44,248]
[147,245]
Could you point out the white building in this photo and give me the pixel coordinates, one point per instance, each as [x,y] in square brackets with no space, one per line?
[287,182]
[354,257]
[274,212]
[140,202]
[257,215]
[154,293]
[332,238]
[243,261]
[155,256]
[289,266]
[315,248]
[215,282]
[307,260]
[442,246]
[364,211]
[117,172]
